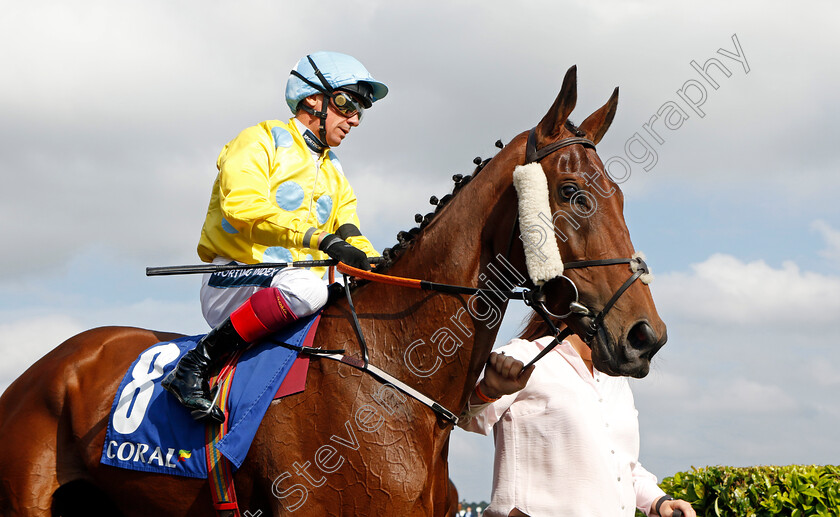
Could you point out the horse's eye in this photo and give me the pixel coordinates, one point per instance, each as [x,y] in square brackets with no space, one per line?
[568,190]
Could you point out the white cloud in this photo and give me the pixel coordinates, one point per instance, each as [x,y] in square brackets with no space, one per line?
[710,397]
[745,396]
[24,342]
[831,237]
[747,369]
[725,289]
[824,373]
[29,334]
[140,60]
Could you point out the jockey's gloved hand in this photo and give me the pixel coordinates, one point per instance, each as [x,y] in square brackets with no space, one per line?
[342,251]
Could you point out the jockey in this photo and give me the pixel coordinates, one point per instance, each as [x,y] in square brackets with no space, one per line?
[280,196]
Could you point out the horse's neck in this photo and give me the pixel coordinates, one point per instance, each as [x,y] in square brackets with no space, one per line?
[434,342]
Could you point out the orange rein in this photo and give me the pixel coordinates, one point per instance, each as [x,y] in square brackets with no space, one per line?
[425,284]
[376,277]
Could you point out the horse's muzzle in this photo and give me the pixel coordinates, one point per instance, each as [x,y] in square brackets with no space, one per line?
[629,356]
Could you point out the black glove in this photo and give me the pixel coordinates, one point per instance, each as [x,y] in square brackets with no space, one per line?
[340,250]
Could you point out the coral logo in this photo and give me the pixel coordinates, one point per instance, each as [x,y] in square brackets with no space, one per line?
[136,453]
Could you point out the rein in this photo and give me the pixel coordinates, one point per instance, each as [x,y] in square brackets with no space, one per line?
[533,298]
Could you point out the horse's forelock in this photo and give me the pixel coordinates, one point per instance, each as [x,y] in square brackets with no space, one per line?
[576,131]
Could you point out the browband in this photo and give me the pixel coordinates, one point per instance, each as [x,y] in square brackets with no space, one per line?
[532,154]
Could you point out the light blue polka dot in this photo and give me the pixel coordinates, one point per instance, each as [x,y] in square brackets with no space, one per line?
[334,159]
[226,226]
[282,137]
[277,254]
[323,208]
[289,195]
[308,257]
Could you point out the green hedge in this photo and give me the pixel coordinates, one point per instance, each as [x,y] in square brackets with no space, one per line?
[795,490]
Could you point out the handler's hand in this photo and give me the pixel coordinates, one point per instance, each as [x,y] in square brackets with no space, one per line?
[668,507]
[501,375]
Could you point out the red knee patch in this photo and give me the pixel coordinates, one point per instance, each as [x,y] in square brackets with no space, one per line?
[265,312]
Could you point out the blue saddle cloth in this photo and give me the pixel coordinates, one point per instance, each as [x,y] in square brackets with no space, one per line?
[150,431]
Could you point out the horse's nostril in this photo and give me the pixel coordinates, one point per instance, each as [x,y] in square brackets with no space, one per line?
[641,336]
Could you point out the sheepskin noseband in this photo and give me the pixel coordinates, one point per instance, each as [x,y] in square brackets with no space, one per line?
[542,256]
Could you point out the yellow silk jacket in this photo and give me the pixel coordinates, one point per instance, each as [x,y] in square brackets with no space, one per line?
[271,201]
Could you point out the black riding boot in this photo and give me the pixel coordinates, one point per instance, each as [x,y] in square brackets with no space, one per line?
[189,380]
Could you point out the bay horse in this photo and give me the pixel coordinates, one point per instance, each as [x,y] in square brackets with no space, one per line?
[350,445]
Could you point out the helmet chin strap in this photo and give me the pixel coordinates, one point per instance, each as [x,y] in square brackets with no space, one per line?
[322,129]
[322,115]
[326,89]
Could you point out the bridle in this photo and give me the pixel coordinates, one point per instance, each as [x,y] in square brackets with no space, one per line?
[534,298]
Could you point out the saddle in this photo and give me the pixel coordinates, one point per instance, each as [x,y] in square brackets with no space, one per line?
[149,431]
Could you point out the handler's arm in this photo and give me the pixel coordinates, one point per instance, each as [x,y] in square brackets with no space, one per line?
[501,377]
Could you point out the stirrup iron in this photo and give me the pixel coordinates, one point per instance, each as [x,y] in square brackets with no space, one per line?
[214,413]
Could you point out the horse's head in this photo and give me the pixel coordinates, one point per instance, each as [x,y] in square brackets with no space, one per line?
[617,318]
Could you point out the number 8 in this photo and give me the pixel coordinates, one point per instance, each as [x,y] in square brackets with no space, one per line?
[135,397]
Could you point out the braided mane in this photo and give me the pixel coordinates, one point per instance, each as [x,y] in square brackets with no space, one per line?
[405,239]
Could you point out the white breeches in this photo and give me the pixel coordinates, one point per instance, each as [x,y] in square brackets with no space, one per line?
[223,292]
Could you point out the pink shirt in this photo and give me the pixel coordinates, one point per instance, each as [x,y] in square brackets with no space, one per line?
[567,444]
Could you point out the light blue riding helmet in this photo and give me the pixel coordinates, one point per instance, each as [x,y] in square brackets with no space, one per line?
[339,70]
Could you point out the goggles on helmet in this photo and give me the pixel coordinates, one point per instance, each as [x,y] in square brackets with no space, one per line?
[346,105]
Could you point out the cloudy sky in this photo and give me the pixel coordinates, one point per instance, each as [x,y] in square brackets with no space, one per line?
[112,115]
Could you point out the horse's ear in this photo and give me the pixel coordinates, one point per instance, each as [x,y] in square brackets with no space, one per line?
[596,125]
[552,123]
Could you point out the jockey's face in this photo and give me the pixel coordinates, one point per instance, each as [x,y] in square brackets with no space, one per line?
[337,125]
